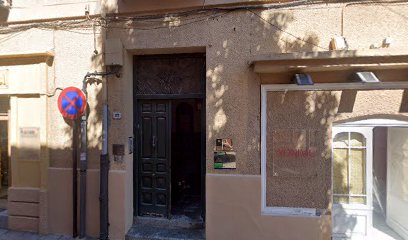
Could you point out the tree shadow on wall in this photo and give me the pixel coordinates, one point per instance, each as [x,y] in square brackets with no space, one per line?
[323,110]
[61,155]
[4,13]
[319,110]
[308,184]
[273,32]
[94,88]
[231,39]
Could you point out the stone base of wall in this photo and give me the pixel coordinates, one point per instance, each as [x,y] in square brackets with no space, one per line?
[23,209]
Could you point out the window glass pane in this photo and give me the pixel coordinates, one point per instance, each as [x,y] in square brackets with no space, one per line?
[338,199]
[340,171]
[358,200]
[340,140]
[357,140]
[358,175]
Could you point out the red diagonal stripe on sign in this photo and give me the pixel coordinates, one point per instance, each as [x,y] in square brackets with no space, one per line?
[71,103]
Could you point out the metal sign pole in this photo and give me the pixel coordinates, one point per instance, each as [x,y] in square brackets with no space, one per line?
[82,174]
[72,104]
[74,178]
[72,107]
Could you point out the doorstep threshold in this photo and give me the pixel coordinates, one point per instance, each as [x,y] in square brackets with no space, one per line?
[175,228]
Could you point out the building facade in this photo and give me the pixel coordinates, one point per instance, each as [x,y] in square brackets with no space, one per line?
[205,118]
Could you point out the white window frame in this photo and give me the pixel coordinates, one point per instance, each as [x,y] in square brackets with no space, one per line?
[265,88]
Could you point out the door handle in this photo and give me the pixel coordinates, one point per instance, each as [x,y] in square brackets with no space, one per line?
[154,141]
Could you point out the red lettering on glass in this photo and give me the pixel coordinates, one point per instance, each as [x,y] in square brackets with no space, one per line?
[295,153]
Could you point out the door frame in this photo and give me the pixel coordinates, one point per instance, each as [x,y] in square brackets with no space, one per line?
[372,123]
[201,96]
[357,209]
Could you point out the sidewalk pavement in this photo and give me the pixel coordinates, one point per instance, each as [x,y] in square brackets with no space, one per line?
[15,235]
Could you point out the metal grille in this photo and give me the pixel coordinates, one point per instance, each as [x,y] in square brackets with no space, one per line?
[169,74]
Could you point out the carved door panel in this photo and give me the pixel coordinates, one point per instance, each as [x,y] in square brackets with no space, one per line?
[154,158]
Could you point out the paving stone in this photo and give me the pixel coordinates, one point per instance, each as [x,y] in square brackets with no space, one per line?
[64,237]
[30,236]
[16,235]
[50,237]
[160,233]
[3,231]
[6,234]
[12,235]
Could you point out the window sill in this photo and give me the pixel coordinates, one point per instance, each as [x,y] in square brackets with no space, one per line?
[290,212]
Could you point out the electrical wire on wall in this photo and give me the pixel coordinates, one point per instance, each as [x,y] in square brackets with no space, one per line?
[54,92]
[141,23]
[94,25]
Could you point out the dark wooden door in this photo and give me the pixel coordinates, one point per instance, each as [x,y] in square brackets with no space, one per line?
[154,158]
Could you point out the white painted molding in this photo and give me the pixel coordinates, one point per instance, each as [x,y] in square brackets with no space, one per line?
[374,123]
[335,86]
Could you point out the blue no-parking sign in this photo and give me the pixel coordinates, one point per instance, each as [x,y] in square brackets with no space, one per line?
[72,103]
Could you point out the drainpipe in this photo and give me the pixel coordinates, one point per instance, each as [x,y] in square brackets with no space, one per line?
[75,178]
[104,171]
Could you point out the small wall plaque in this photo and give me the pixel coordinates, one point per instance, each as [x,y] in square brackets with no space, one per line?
[224,157]
[118,151]
[225,160]
[29,144]
[224,144]
[117,115]
[29,132]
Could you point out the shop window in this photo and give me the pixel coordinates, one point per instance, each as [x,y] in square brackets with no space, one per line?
[349,169]
[303,170]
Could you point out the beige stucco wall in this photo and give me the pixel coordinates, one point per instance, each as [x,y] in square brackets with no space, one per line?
[140,6]
[33,78]
[230,41]
[25,85]
[235,213]
[29,10]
